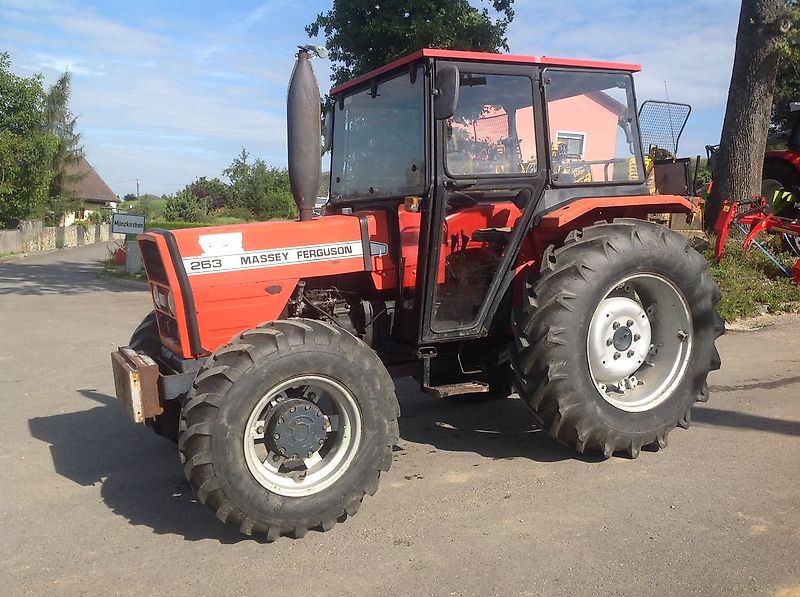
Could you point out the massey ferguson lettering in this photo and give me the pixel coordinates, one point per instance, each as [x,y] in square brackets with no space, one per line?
[341,251]
[265,258]
[211,262]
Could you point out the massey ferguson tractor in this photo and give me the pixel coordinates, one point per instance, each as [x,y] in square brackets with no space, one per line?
[487,231]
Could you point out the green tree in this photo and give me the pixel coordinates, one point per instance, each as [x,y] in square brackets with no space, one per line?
[263,190]
[787,80]
[60,122]
[26,149]
[362,35]
[183,206]
[214,191]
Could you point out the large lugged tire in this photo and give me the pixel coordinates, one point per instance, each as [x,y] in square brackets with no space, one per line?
[145,339]
[288,427]
[616,337]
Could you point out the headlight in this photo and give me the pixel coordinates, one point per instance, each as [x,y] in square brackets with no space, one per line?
[163,299]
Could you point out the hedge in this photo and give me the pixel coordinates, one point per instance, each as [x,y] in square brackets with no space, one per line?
[167,225]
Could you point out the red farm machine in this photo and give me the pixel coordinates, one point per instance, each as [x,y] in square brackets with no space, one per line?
[487,231]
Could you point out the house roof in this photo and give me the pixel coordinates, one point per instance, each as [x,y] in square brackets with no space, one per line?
[486,57]
[89,187]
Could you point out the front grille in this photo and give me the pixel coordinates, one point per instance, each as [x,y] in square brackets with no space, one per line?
[157,274]
[167,326]
[152,262]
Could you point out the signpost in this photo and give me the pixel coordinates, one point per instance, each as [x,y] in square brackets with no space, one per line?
[123,223]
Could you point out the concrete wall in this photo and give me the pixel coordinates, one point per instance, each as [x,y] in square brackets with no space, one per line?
[70,236]
[44,241]
[32,237]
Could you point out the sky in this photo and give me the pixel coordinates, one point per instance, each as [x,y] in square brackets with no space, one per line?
[166,92]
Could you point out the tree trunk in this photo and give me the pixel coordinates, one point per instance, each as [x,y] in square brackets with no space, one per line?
[739,162]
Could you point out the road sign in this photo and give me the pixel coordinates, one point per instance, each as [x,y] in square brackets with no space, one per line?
[127,223]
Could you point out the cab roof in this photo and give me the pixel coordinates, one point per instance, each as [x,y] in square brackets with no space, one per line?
[487,57]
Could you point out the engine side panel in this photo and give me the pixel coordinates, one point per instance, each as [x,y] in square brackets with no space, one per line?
[243,275]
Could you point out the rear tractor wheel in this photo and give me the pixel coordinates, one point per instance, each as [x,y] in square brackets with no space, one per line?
[616,337]
[288,427]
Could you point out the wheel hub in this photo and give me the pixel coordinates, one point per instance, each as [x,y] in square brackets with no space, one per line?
[623,338]
[619,339]
[297,428]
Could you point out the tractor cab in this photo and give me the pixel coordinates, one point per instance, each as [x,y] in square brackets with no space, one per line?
[466,152]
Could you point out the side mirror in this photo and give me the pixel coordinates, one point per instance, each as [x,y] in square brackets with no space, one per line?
[624,122]
[327,131]
[444,104]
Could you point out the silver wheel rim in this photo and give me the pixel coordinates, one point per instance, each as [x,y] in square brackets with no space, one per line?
[312,471]
[639,342]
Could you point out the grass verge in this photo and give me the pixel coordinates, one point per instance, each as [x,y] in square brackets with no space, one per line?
[751,283]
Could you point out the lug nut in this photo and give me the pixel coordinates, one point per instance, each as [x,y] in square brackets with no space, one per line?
[280,420]
[636,337]
[282,451]
[292,409]
[616,356]
[629,323]
[630,353]
[310,454]
[616,325]
[322,441]
[276,436]
[312,396]
[308,407]
[260,429]
[609,342]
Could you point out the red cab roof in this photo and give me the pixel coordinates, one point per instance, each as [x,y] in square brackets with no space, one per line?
[486,57]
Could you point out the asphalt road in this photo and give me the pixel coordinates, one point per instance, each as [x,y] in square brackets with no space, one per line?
[478,502]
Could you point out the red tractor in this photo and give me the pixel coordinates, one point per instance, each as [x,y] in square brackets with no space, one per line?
[486,231]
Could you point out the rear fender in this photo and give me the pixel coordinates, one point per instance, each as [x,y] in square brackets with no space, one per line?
[553,227]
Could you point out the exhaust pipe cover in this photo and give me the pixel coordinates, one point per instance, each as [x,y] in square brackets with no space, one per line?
[303,135]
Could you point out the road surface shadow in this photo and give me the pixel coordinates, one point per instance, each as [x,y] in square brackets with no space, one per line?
[497,429]
[730,418]
[61,277]
[141,476]
[143,482]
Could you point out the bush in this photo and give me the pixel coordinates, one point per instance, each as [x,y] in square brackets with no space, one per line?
[100,217]
[237,212]
[186,207]
[180,225]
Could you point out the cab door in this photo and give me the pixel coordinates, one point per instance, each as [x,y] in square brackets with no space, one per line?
[490,167]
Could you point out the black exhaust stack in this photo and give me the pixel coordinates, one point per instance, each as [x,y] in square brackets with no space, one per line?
[303,127]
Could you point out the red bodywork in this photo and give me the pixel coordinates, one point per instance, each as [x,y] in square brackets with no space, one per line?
[789,156]
[266,257]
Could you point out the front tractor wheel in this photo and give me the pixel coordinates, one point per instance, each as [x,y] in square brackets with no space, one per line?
[616,338]
[288,427]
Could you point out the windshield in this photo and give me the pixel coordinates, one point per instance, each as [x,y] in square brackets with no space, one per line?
[592,126]
[379,141]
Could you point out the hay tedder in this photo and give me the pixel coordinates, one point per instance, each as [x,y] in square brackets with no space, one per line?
[748,220]
[487,231]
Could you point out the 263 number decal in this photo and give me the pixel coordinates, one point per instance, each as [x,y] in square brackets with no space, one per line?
[205,264]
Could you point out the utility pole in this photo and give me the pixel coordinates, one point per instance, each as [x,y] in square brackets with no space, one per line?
[137,188]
